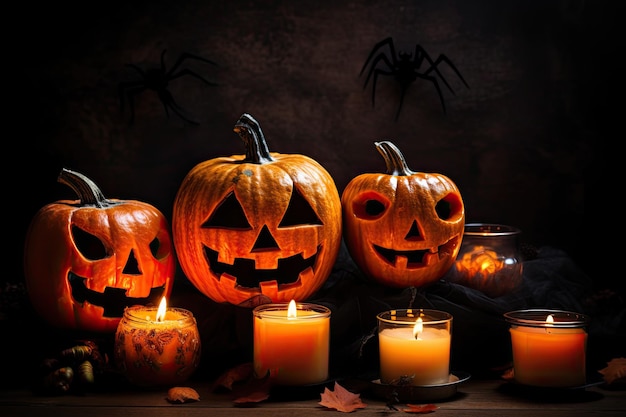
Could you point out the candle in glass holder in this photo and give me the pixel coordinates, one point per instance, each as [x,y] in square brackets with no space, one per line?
[414,344]
[157,347]
[489,259]
[292,342]
[548,347]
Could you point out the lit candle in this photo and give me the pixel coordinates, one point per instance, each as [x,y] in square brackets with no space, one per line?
[414,345]
[489,259]
[156,347]
[548,347]
[291,342]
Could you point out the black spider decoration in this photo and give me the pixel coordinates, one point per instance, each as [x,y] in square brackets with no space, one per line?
[405,68]
[157,80]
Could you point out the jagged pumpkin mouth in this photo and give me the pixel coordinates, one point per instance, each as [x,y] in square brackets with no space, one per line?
[415,259]
[113,300]
[244,271]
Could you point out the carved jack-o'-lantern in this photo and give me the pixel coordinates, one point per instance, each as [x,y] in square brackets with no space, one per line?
[402,228]
[86,260]
[257,227]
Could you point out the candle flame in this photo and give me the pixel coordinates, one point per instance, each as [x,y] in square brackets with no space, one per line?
[160,316]
[292,311]
[418,328]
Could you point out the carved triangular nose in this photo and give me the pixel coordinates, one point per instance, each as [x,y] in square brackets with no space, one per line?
[265,241]
[414,232]
[132,266]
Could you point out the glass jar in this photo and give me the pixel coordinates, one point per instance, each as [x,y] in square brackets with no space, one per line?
[414,346]
[548,347]
[489,259]
[291,343]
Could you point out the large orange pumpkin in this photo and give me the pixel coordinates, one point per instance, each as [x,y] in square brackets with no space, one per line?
[257,227]
[86,260]
[402,228]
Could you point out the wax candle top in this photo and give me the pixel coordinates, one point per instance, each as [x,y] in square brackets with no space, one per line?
[151,315]
[291,311]
[546,318]
[413,316]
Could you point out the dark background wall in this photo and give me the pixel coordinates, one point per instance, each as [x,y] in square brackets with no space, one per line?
[526,143]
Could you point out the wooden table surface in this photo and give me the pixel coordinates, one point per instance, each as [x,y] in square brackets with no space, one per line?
[472,397]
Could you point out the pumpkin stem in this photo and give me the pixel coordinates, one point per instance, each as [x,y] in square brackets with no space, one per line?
[88,192]
[249,130]
[396,164]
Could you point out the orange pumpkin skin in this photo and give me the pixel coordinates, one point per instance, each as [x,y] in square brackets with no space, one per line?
[402,228]
[261,226]
[85,260]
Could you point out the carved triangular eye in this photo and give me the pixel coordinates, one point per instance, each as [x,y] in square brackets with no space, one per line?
[299,212]
[89,245]
[229,214]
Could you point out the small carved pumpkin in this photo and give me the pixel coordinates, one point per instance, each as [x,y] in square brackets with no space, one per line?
[257,227]
[402,228]
[86,260]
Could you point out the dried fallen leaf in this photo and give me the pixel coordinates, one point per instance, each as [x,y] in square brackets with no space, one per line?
[239,373]
[254,390]
[252,397]
[243,384]
[615,372]
[182,395]
[420,409]
[341,399]
[508,374]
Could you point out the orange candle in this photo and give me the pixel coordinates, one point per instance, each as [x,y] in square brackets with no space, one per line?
[414,344]
[548,347]
[157,347]
[292,342]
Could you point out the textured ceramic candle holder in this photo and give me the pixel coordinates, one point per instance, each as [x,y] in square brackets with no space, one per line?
[548,347]
[153,353]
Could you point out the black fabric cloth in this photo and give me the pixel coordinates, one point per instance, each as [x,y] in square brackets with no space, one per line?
[480,336]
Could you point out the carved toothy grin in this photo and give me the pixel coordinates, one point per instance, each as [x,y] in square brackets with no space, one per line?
[416,258]
[113,300]
[288,271]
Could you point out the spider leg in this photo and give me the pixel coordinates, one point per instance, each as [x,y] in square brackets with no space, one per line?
[443,58]
[128,90]
[378,72]
[434,66]
[436,83]
[374,70]
[379,57]
[184,57]
[193,74]
[379,45]
[169,103]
